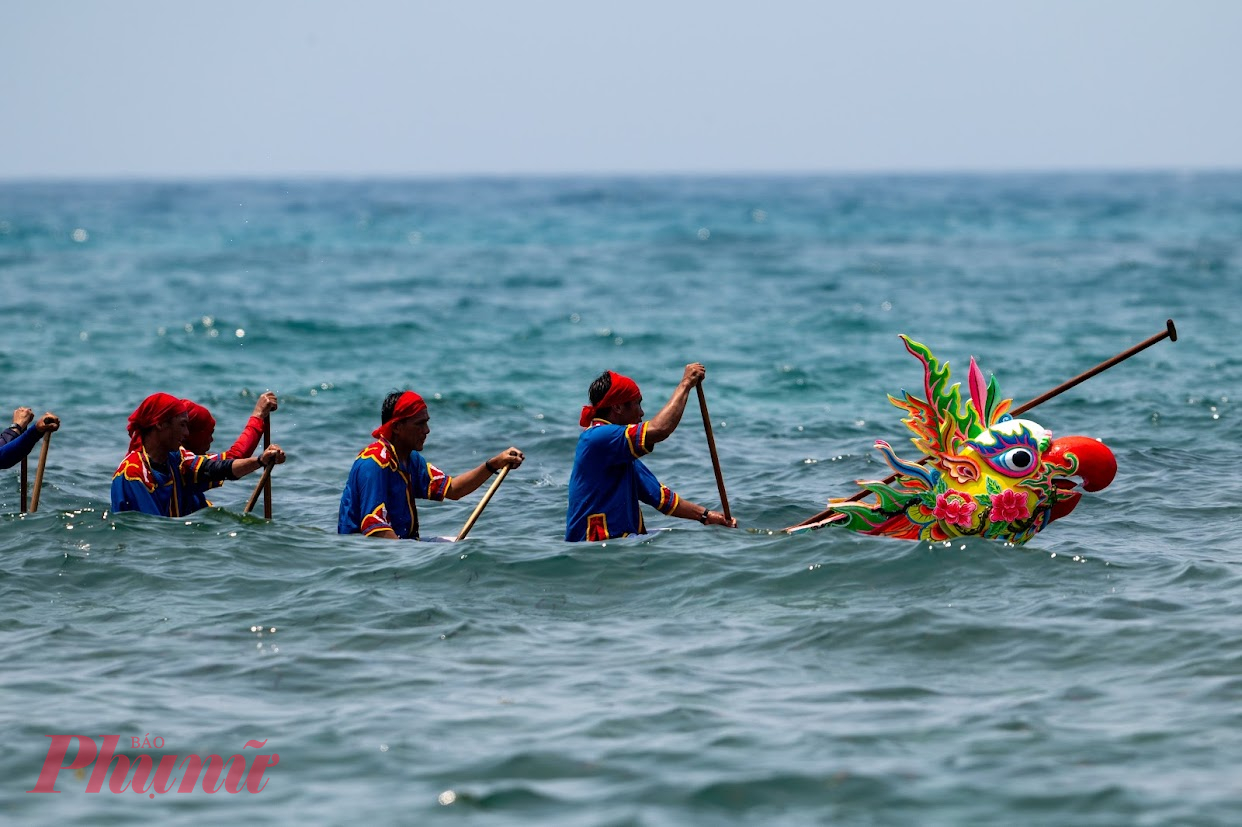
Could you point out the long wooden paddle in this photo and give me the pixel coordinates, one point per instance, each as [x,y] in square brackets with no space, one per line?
[711,446]
[1169,332]
[478,509]
[267,474]
[38,486]
[264,485]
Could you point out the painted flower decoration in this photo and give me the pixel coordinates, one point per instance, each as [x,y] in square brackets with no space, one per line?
[1007,506]
[954,508]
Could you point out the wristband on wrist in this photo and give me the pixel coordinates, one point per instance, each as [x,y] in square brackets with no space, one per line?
[490,469]
[703,517]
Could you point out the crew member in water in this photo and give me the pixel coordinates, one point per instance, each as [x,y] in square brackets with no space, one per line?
[390,474]
[609,479]
[157,476]
[202,428]
[17,440]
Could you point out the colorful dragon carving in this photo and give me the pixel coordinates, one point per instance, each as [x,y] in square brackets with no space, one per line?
[987,474]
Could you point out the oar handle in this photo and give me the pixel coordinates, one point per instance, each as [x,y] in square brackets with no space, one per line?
[267,475]
[262,486]
[1169,332]
[711,446]
[38,483]
[478,509]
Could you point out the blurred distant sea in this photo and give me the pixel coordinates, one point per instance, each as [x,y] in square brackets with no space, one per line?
[696,676]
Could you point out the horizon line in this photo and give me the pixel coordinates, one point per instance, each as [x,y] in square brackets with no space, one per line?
[878,172]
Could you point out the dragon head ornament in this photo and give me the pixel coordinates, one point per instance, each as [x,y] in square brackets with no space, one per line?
[985,474]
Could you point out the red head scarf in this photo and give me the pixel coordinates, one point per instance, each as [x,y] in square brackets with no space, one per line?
[408,404]
[202,427]
[622,390]
[154,409]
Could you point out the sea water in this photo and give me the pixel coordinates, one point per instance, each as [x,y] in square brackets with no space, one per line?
[696,676]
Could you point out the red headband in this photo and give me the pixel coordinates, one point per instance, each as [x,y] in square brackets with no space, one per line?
[202,427]
[154,409]
[408,404]
[622,390]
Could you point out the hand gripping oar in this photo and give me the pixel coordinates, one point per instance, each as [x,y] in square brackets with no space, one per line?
[478,509]
[38,486]
[263,485]
[711,446]
[267,474]
[1169,332]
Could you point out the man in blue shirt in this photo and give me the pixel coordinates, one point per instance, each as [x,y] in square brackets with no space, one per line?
[609,480]
[161,478]
[390,473]
[19,439]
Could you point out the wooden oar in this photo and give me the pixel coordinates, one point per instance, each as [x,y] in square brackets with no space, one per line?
[264,485]
[267,474]
[1169,332]
[25,499]
[711,446]
[38,486]
[478,509]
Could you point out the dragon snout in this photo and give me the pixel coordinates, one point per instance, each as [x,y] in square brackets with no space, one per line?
[1096,464]
[1096,468]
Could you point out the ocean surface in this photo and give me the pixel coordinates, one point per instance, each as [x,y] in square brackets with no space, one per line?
[694,676]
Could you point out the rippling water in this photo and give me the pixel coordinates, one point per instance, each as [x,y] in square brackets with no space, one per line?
[696,676]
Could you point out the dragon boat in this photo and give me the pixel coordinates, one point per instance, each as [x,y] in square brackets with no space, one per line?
[985,473]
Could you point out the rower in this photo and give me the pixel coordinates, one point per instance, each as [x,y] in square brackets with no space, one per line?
[202,427]
[157,477]
[609,479]
[390,473]
[19,439]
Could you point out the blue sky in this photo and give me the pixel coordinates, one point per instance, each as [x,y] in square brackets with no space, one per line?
[379,87]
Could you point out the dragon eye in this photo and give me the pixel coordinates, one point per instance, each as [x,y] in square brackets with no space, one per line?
[1015,460]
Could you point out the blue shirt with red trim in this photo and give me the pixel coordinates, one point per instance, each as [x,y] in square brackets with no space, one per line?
[609,481]
[381,490]
[172,491]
